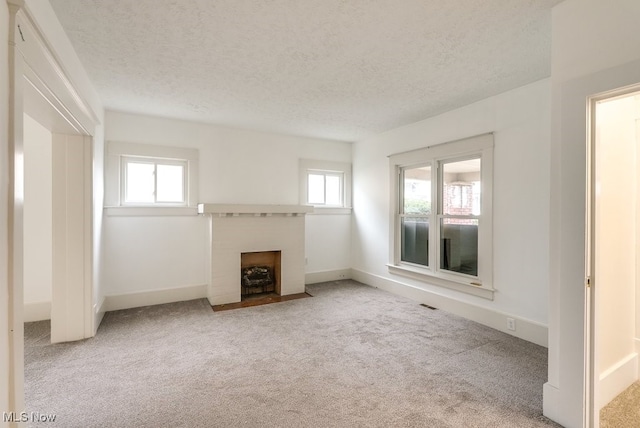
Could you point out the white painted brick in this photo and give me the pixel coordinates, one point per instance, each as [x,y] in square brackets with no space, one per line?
[233,236]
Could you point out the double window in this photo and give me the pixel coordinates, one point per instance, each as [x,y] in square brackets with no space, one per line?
[442,223]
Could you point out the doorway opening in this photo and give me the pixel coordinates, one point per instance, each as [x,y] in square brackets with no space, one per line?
[56,223]
[613,252]
[40,88]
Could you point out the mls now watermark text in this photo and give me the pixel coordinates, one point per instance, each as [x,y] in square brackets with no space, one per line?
[27,417]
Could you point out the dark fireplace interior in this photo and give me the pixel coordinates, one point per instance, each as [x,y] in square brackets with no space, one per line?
[260,274]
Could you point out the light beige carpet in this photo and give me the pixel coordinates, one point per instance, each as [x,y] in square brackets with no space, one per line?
[350,356]
[623,411]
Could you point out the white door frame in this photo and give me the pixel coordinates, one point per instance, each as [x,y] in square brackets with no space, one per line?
[15,217]
[31,58]
[72,214]
[591,375]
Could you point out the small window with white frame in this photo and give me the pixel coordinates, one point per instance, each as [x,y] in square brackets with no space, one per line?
[325,184]
[140,176]
[325,188]
[148,181]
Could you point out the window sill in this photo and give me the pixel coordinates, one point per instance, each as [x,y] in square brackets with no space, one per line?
[150,211]
[320,210]
[420,275]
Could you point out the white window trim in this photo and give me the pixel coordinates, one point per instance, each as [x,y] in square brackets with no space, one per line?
[153,161]
[482,146]
[114,201]
[329,167]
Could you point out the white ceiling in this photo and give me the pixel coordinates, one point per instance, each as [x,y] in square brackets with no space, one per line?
[335,69]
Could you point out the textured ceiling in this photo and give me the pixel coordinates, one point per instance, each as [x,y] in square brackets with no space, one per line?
[336,69]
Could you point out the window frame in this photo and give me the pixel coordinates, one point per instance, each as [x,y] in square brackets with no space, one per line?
[436,156]
[401,214]
[124,181]
[118,152]
[326,168]
[324,175]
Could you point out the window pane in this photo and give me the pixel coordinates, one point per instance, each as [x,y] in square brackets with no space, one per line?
[415,240]
[139,182]
[417,190]
[475,195]
[170,183]
[316,188]
[333,190]
[459,245]
[461,187]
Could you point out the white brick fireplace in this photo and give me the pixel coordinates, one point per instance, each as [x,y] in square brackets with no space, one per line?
[237,229]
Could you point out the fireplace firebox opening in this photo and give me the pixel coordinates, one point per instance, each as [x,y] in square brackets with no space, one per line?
[259,274]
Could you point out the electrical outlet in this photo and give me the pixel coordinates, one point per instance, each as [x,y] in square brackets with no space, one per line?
[511,324]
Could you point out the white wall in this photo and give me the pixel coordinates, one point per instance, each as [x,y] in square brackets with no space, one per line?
[236,166]
[520,121]
[38,233]
[328,247]
[4,208]
[591,35]
[615,247]
[594,49]
[154,253]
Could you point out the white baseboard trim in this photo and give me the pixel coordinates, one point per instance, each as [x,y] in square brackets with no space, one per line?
[525,329]
[154,297]
[37,311]
[638,352]
[327,275]
[617,378]
[551,405]
[98,314]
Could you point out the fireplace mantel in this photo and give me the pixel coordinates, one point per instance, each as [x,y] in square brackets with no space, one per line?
[247,209]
